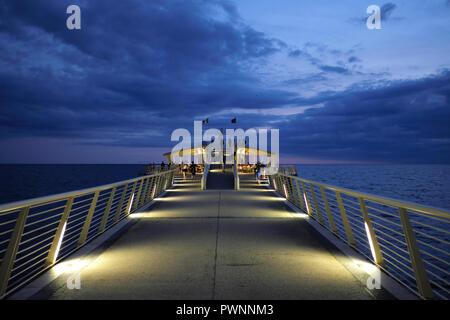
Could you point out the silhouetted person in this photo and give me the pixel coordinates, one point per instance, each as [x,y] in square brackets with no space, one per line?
[163,166]
[193,169]
[258,171]
[185,170]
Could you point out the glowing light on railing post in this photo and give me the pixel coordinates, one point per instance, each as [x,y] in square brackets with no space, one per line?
[285,192]
[131,204]
[306,204]
[369,238]
[58,247]
[154,190]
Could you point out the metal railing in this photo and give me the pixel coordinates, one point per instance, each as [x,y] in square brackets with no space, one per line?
[205,177]
[288,170]
[409,241]
[36,233]
[157,168]
[236,177]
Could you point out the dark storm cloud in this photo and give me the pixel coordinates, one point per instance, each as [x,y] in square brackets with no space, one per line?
[353,59]
[386,10]
[139,69]
[133,65]
[334,69]
[322,50]
[405,121]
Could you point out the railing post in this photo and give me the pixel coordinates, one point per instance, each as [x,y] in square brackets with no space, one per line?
[119,207]
[289,189]
[161,184]
[137,199]
[286,187]
[422,281]
[279,185]
[154,191]
[373,241]
[328,211]
[11,251]
[87,221]
[283,187]
[316,204]
[131,198]
[291,194]
[52,253]
[308,205]
[275,182]
[300,200]
[345,222]
[143,198]
[105,217]
[172,178]
[150,189]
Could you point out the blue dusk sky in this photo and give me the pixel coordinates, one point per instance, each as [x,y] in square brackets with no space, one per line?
[114,91]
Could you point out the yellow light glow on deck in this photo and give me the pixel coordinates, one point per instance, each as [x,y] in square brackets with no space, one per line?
[365,266]
[184,189]
[265,198]
[70,266]
[140,215]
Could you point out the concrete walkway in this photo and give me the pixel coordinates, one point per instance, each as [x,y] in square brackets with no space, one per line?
[220,180]
[217,244]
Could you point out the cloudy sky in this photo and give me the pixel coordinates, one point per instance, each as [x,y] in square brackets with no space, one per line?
[114,91]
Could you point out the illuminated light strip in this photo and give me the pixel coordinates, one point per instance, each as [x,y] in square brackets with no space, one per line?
[131,204]
[154,189]
[60,241]
[307,204]
[285,192]
[370,241]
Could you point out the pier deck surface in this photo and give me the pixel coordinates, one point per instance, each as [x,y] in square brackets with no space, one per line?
[214,244]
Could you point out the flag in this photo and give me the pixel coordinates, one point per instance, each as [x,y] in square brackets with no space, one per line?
[233,120]
[205,121]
